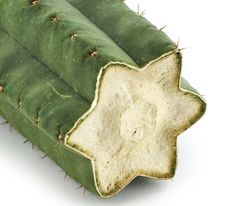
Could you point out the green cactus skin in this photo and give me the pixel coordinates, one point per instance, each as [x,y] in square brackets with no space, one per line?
[41,107]
[52,57]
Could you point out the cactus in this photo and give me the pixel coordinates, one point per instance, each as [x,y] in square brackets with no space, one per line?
[96,87]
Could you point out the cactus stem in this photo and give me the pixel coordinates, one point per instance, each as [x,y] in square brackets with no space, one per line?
[55,19]
[104,120]
[35,2]
[73,35]
[1,88]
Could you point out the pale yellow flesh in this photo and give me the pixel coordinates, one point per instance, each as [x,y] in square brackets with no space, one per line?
[132,130]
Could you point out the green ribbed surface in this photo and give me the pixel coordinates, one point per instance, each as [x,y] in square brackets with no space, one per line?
[41,106]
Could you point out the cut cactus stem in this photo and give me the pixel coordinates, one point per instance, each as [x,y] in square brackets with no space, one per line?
[131,128]
[105,101]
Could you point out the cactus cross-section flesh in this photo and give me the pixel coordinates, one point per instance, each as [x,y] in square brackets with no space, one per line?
[95,86]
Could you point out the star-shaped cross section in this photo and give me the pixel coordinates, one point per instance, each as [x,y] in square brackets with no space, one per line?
[132,126]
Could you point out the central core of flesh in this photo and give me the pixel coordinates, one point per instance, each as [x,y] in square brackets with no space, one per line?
[138,118]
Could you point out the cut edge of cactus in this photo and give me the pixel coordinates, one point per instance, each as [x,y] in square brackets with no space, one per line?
[129,178]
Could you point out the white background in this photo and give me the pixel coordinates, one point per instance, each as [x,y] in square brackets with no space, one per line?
[206,152]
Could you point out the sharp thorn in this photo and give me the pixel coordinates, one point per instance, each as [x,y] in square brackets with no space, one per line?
[84,193]
[57,143]
[65,176]
[79,187]
[162,28]
[138,11]
[183,49]
[27,140]
[177,44]
[44,156]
